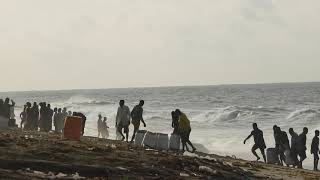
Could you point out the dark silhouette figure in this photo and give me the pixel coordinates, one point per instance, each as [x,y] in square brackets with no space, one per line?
[43,116]
[315,150]
[34,113]
[48,118]
[302,147]
[59,121]
[123,120]
[175,122]
[2,112]
[29,119]
[137,116]
[259,142]
[7,106]
[294,146]
[184,131]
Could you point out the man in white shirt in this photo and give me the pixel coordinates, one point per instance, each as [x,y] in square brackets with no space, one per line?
[123,120]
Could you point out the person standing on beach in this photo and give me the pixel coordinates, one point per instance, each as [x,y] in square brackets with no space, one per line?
[7,107]
[34,116]
[55,118]
[49,115]
[259,142]
[123,120]
[294,144]
[302,147]
[175,122]
[315,150]
[59,121]
[137,116]
[99,125]
[184,131]
[23,116]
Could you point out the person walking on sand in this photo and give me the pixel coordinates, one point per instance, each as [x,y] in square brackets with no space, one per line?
[302,147]
[99,125]
[137,116]
[23,116]
[123,120]
[259,142]
[184,131]
[294,141]
[315,150]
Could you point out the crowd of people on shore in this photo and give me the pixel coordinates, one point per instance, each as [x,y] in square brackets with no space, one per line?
[284,150]
[42,117]
[180,123]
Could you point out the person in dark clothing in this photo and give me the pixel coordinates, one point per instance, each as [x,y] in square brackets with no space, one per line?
[284,144]
[43,116]
[294,141]
[302,147]
[137,117]
[48,121]
[315,150]
[278,143]
[34,116]
[84,119]
[175,122]
[7,106]
[2,113]
[259,142]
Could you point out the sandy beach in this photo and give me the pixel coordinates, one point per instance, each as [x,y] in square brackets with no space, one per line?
[36,155]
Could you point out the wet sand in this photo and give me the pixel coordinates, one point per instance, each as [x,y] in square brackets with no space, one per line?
[36,155]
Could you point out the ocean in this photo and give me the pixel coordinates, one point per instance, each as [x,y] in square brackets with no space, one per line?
[221,116]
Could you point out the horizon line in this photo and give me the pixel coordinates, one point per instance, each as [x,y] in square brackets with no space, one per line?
[144,87]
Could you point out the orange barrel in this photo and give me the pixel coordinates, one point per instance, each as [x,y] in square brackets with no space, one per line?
[72,127]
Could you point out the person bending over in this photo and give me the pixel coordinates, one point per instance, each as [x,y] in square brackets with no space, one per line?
[184,131]
[259,142]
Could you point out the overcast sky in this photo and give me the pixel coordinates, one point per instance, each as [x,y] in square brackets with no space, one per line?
[71,44]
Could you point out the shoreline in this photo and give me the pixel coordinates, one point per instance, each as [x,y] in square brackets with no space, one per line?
[37,155]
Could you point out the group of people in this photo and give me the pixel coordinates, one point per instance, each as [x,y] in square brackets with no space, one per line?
[102,127]
[41,117]
[296,150]
[124,115]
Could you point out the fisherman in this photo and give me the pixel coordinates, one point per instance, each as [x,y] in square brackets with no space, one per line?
[301,146]
[123,120]
[259,142]
[284,144]
[2,113]
[137,116]
[184,131]
[175,122]
[294,144]
[315,150]
[99,125]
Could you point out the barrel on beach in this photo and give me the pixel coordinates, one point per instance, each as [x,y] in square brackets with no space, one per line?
[272,156]
[175,142]
[140,137]
[162,142]
[72,127]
